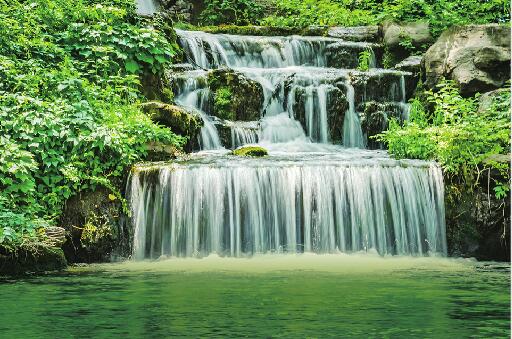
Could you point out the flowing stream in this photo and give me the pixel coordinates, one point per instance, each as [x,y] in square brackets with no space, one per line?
[317,191]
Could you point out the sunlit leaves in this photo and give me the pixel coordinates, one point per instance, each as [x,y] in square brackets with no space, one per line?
[69,94]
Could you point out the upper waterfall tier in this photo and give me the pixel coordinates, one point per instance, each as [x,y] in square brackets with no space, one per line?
[323,100]
[208,51]
[323,202]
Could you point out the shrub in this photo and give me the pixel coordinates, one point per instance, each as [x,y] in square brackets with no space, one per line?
[441,14]
[454,133]
[237,12]
[69,104]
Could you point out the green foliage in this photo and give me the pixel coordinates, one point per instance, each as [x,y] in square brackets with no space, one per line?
[303,13]
[454,133]
[365,58]
[238,12]
[69,104]
[222,103]
[441,14]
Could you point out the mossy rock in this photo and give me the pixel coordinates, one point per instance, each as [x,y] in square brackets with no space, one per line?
[94,228]
[375,118]
[178,119]
[477,223]
[346,54]
[250,151]
[235,96]
[265,30]
[381,86]
[31,258]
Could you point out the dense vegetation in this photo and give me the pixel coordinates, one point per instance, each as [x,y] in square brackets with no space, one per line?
[69,114]
[301,13]
[464,138]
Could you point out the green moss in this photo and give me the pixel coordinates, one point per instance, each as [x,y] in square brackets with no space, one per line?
[235,97]
[265,30]
[222,104]
[250,151]
[30,258]
[176,118]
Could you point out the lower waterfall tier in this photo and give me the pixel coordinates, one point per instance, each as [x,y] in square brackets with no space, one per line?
[320,202]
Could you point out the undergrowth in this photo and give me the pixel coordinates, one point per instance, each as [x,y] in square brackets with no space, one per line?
[69,104]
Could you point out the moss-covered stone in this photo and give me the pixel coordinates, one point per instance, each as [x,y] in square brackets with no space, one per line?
[381,86]
[31,258]
[265,30]
[236,97]
[250,151]
[178,119]
[346,54]
[375,118]
[477,224]
[94,229]
[155,87]
[158,151]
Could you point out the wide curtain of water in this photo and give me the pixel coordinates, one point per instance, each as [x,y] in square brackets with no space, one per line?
[309,194]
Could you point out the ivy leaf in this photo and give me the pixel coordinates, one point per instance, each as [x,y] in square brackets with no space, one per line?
[132,66]
[146,58]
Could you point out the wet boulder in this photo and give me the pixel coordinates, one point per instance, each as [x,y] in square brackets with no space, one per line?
[396,35]
[410,64]
[236,133]
[337,106]
[477,57]
[180,120]
[477,223]
[93,224]
[235,97]
[382,86]
[375,119]
[156,87]
[159,151]
[250,151]
[31,258]
[358,33]
[345,54]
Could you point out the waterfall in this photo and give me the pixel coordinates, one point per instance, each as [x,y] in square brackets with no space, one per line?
[194,94]
[352,133]
[243,133]
[146,7]
[318,190]
[244,207]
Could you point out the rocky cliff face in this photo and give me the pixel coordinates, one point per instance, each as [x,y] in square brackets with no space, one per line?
[477,224]
[476,57]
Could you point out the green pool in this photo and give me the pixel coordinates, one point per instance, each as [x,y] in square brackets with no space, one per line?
[304,296]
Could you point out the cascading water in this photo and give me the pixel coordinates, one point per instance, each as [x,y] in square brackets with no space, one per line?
[146,7]
[308,194]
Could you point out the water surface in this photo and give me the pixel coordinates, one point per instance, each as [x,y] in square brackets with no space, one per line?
[303,296]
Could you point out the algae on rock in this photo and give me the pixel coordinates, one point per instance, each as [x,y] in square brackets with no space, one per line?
[236,97]
[250,151]
[178,119]
[32,258]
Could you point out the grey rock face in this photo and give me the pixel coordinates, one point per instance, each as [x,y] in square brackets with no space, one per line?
[489,99]
[359,33]
[417,32]
[477,57]
[411,64]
